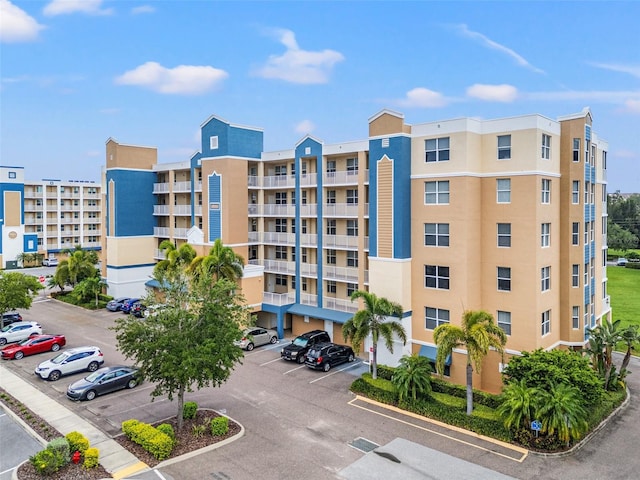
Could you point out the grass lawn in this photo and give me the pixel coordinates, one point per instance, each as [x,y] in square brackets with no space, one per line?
[623,286]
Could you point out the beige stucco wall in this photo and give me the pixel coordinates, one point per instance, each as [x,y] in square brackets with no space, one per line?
[130,156]
[125,251]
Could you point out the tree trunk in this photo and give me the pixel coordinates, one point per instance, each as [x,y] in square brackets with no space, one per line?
[180,407]
[469,389]
[374,362]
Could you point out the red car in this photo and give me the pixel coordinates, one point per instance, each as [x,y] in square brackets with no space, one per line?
[32,345]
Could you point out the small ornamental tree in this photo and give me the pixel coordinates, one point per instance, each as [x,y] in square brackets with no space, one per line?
[17,290]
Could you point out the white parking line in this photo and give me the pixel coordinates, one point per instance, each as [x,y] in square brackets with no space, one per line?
[336,371]
[271,361]
[275,346]
[294,369]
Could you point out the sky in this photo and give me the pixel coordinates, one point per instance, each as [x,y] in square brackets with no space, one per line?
[74,73]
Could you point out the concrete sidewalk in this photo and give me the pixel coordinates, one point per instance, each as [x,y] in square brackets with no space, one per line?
[118,461]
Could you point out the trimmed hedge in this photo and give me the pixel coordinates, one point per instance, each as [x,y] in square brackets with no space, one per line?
[154,441]
[91,458]
[219,426]
[61,446]
[77,442]
[189,410]
[167,429]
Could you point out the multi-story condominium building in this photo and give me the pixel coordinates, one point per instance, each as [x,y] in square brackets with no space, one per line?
[47,216]
[506,215]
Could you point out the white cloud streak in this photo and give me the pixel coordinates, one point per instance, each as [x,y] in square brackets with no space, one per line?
[423,98]
[618,67]
[65,7]
[485,41]
[143,9]
[297,65]
[181,80]
[16,25]
[304,127]
[632,106]
[493,93]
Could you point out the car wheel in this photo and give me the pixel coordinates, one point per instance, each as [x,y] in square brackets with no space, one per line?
[300,358]
[91,394]
[18,355]
[132,383]
[273,339]
[351,357]
[249,347]
[326,367]
[55,347]
[53,376]
[93,366]
[3,341]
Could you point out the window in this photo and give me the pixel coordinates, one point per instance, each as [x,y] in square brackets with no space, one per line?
[304,225]
[576,149]
[546,191]
[545,278]
[504,147]
[546,322]
[436,234]
[575,275]
[436,277]
[586,192]
[586,233]
[504,321]
[436,192]
[504,279]
[304,284]
[351,287]
[281,252]
[435,317]
[352,197]
[352,166]
[213,143]
[281,225]
[281,280]
[352,228]
[331,286]
[280,170]
[604,160]
[504,190]
[504,234]
[331,227]
[293,225]
[575,192]
[545,235]
[546,146]
[331,196]
[12,175]
[437,149]
[304,255]
[575,233]
[331,257]
[575,317]
[586,273]
[331,167]
[352,258]
[281,198]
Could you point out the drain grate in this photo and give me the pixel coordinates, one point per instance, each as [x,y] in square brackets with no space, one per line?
[363,445]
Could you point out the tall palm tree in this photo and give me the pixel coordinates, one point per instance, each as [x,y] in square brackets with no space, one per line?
[603,339]
[562,412]
[78,265]
[176,258]
[373,320]
[221,262]
[519,406]
[413,374]
[478,333]
[630,337]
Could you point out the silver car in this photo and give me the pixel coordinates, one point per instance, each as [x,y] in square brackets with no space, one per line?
[256,336]
[19,331]
[70,361]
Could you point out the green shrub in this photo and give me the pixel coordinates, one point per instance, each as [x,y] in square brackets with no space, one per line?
[167,429]
[47,461]
[219,426]
[154,441]
[91,456]
[385,372]
[189,410]
[60,445]
[199,430]
[380,389]
[77,442]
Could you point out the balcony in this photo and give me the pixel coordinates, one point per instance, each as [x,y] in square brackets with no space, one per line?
[308,299]
[277,210]
[197,186]
[197,209]
[159,254]
[161,209]
[180,232]
[32,194]
[182,210]
[340,241]
[278,298]
[279,181]
[31,207]
[309,240]
[309,270]
[341,274]
[340,304]
[160,188]
[340,178]
[279,238]
[181,187]
[279,266]
[340,210]
[309,210]
[162,232]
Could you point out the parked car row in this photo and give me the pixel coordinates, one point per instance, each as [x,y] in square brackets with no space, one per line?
[316,351]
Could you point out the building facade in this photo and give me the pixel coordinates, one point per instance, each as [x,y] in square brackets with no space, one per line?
[47,216]
[506,215]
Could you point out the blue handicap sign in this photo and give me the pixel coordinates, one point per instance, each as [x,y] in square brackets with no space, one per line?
[536,425]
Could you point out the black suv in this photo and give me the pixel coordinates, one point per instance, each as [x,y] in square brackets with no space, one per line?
[297,349]
[326,355]
[9,318]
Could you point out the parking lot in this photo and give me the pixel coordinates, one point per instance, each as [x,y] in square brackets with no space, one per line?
[299,422]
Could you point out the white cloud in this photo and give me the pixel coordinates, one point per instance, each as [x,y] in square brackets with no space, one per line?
[16,25]
[423,98]
[632,106]
[110,111]
[493,93]
[143,9]
[617,67]
[304,127]
[625,154]
[181,80]
[487,42]
[299,66]
[63,7]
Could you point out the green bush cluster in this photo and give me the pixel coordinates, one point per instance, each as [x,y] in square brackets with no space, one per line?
[634,265]
[77,442]
[154,441]
[380,390]
[219,426]
[91,456]
[61,446]
[168,430]
[189,410]
[47,461]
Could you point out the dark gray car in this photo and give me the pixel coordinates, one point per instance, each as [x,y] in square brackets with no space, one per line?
[103,380]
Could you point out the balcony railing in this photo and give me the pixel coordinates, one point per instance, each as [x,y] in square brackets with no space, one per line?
[340,304]
[309,239]
[308,299]
[342,274]
[278,298]
[340,178]
[161,232]
[340,210]
[180,232]
[309,270]
[280,266]
[340,241]
[278,238]
[182,209]
[181,186]
[160,188]
[279,181]
[197,209]
[159,254]
[161,209]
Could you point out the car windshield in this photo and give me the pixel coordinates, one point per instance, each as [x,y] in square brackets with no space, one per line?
[59,358]
[5,329]
[94,377]
[301,342]
[25,341]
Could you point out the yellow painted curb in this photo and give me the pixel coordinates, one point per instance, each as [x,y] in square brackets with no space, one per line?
[125,472]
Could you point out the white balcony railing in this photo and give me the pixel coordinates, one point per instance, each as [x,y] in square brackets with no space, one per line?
[342,274]
[180,232]
[340,210]
[161,209]
[308,299]
[278,238]
[340,304]
[309,270]
[182,209]
[197,209]
[160,188]
[340,241]
[279,181]
[181,186]
[278,298]
[280,266]
[159,254]
[161,232]
[308,239]
[341,178]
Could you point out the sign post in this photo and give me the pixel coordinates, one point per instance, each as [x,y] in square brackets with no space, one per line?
[536,426]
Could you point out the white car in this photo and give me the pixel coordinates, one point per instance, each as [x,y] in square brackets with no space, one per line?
[70,361]
[50,262]
[19,331]
[254,337]
[152,310]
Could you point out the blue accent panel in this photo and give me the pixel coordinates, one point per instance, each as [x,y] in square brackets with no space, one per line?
[587,253]
[399,151]
[321,313]
[280,312]
[10,187]
[593,211]
[30,243]
[431,353]
[593,286]
[194,163]
[593,174]
[215,216]
[593,321]
[232,141]
[587,294]
[587,132]
[134,201]
[593,250]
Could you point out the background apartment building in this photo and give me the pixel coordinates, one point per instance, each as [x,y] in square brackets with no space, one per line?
[47,216]
[505,215]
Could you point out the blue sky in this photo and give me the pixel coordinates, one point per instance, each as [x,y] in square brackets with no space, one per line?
[76,72]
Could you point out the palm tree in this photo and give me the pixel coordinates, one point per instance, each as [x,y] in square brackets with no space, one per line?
[562,412]
[413,374]
[518,408]
[478,333]
[90,287]
[78,265]
[175,258]
[602,342]
[372,320]
[221,262]
[630,337]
